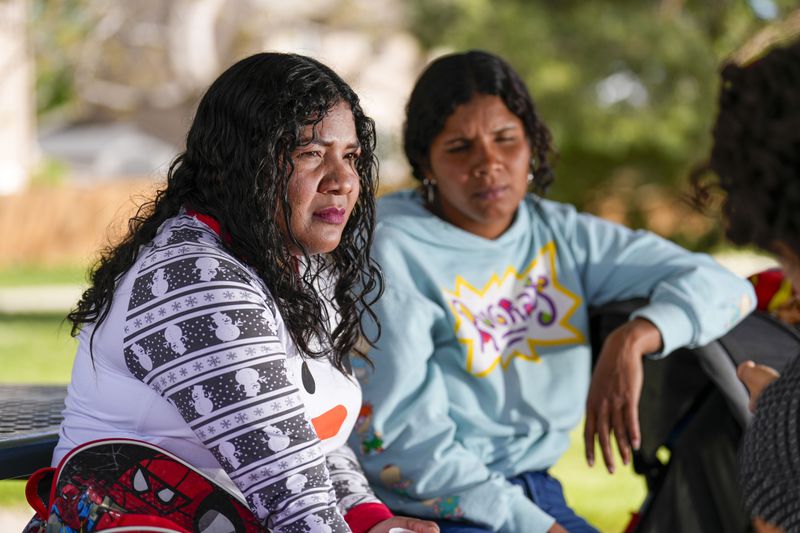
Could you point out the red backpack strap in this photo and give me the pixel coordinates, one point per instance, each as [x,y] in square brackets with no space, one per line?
[142,521]
[37,491]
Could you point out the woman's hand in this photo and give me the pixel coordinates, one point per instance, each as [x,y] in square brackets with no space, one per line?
[756,378]
[403,522]
[765,527]
[613,401]
[557,528]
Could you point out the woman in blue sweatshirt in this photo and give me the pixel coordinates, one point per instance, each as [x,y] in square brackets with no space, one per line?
[483,365]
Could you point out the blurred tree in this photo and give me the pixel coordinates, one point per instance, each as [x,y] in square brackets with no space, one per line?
[57,30]
[17,127]
[627,87]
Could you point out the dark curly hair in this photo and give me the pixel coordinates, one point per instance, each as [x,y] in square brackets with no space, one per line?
[236,168]
[756,150]
[453,80]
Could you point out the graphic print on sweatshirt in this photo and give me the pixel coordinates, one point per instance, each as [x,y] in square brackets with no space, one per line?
[513,314]
[201,330]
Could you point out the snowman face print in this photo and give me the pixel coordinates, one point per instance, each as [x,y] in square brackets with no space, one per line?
[326,416]
[296,483]
[261,509]
[202,404]
[207,268]
[276,439]
[174,339]
[224,327]
[317,524]
[249,380]
[159,285]
[142,356]
[230,453]
[269,321]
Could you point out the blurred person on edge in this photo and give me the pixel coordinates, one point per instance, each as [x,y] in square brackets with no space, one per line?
[756,160]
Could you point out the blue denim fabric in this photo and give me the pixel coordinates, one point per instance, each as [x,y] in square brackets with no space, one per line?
[543,490]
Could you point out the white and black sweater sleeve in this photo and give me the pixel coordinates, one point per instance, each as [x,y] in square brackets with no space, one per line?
[350,483]
[201,333]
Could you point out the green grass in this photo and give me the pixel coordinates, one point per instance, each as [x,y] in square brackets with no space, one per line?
[16,275]
[12,494]
[35,349]
[38,349]
[605,500]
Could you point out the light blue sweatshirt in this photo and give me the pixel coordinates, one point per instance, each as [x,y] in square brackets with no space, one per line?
[483,364]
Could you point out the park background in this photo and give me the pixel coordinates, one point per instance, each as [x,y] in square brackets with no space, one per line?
[96,97]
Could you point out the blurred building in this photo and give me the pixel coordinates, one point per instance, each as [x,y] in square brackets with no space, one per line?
[142,66]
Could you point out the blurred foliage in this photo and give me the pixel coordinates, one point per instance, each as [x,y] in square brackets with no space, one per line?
[49,172]
[628,89]
[59,27]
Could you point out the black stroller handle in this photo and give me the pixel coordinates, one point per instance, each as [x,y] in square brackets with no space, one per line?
[717,364]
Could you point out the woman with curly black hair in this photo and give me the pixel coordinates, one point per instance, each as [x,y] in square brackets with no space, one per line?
[483,366]
[220,328]
[756,157]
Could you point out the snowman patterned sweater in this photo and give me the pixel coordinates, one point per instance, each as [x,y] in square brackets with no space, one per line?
[194,357]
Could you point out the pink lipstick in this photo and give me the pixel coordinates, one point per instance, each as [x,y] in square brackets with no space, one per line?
[330,215]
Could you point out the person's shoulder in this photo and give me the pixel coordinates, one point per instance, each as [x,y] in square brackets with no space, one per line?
[399,204]
[567,215]
[186,253]
[400,215]
[549,207]
[553,213]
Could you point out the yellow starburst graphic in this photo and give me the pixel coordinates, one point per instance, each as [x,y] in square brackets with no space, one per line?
[513,314]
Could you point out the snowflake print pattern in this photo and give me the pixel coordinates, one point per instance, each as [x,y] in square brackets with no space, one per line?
[202,331]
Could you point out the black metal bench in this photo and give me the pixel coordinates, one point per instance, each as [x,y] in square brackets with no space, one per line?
[29,419]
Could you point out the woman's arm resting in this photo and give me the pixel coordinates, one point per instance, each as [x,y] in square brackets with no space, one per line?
[613,401]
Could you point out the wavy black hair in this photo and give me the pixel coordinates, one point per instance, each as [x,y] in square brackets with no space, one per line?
[453,80]
[235,168]
[756,151]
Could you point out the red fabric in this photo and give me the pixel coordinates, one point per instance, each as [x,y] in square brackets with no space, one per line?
[634,523]
[212,223]
[362,518]
[32,490]
[143,521]
[767,284]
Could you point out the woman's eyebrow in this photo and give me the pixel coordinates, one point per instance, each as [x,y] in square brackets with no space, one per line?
[456,139]
[330,142]
[354,145]
[505,127]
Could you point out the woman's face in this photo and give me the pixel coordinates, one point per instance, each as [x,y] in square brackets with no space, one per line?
[324,185]
[480,163]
